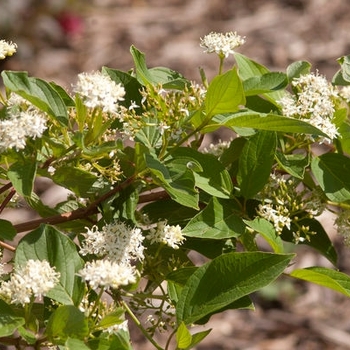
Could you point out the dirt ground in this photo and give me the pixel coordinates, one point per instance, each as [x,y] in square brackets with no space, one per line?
[59,41]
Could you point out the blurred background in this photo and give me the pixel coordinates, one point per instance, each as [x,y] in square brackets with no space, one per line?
[57,39]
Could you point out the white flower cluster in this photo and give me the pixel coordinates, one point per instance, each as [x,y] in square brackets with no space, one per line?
[115,241]
[35,279]
[23,121]
[118,245]
[313,103]
[167,234]
[107,274]
[222,44]
[98,90]
[279,216]
[7,49]
[218,148]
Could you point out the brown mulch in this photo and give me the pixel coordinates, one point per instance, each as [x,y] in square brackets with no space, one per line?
[288,315]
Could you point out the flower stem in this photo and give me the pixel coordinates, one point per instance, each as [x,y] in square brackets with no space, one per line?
[139,325]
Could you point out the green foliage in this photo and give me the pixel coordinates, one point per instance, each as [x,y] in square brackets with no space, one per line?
[158,221]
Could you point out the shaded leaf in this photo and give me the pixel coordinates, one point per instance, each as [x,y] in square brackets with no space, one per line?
[217,221]
[331,171]
[226,279]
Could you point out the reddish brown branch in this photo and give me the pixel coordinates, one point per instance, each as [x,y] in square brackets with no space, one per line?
[7,199]
[80,213]
[7,246]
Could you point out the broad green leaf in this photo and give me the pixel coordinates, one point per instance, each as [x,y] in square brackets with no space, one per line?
[198,337]
[211,248]
[142,73]
[266,230]
[9,321]
[77,180]
[325,277]
[345,67]
[344,139]
[175,213]
[216,221]
[67,321]
[75,344]
[180,186]
[320,241]
[233,152]
[214,179]
[183,337]
[339,80]
[298,68]
[331,171]
[260,104]
[22,174]
[39,92]
[255,163]
[225,94]
[272,122]
[294,164]
[47,243]
[113,318]
[248,68]
[225,280]
[67,99]
[168,78]
[7,231]
[131,85]
[264,83]
[149,135]
[119,341]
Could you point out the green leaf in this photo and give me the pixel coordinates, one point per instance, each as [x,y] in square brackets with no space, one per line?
[183,337]
[38,92]
[198,337]
[320,241]
[344,139]
[264,83]
[115,317]
[267,230]
[325,277]
[298,68]
[272,122]
[175,213]
[225,94]
[179,185]
[77,180]
[7,231]
[331,171]
[226,279]
[67,321]
[168,78]
[214,178]
[142,73]
[345,67]
[149,135]
[75,344]
[9,321]
[255,163]
[248,68]
[131,85]
[22,174]
[294,164]
[47,243]
[216,221]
